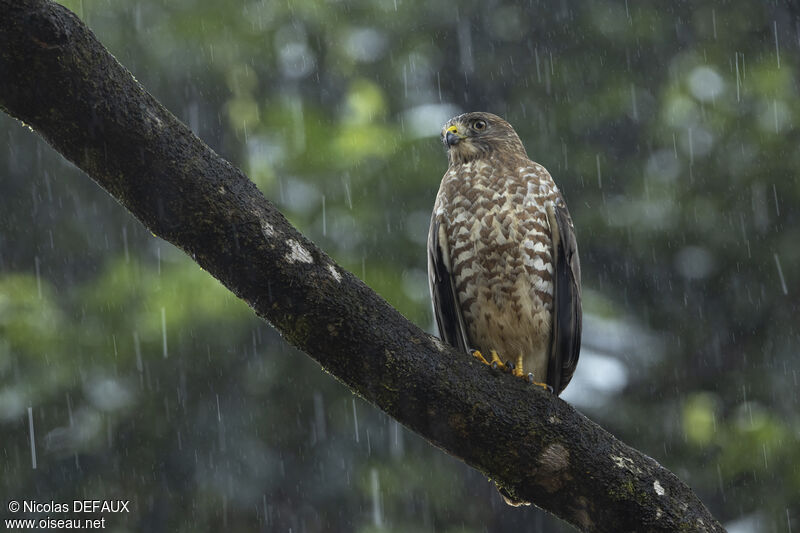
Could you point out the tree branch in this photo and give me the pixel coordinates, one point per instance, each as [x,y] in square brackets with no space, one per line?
[56,77]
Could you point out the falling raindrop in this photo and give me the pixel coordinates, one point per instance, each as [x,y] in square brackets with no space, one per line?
[780,274]
[164,331]
[298,124]
[758,200]
[69,409]
[38,276]
[775,114]
[33,440]
[125,244]
[138,349]
[377,515]
[775,195]
[599,174]
[465,45]
[744,235]
[714,23]
[396,440]
[355,418]
[348,198]
[324,218]
[319,416]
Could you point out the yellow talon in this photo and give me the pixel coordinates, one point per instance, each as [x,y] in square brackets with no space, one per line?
[518,368]
[495,361]
[545,386]
[479,356]
[515,369]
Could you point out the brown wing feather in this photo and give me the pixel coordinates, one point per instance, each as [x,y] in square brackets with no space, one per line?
[567,316]
[446,306]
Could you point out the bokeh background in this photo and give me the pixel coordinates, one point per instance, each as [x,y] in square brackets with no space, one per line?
[671,127]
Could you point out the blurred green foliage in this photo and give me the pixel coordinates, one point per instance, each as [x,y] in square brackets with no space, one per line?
[672,129]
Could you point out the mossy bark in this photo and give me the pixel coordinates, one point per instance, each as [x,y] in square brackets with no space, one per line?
[56,77]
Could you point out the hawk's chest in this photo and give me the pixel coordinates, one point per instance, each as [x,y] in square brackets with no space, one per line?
[496,220]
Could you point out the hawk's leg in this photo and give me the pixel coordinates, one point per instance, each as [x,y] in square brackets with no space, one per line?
[518,367]
[517,371]
[479,356]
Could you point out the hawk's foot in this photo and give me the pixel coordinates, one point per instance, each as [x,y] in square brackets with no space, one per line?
[545,386]
[479,356]
[496,363]
[514,369]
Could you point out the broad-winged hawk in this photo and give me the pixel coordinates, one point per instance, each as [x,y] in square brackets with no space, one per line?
[503,262]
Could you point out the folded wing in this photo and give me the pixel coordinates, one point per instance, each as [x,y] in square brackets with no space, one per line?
[446,306]
[566,343]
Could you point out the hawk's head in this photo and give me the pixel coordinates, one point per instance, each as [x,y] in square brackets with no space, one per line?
[480,135]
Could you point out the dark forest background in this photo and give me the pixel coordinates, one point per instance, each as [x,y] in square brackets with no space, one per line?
[671,127]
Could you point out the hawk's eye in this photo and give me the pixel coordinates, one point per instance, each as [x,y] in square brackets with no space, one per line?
[479,125]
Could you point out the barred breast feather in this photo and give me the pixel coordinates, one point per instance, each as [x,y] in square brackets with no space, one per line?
[492,224]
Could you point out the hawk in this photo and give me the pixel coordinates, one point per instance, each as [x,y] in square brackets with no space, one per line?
[503,265]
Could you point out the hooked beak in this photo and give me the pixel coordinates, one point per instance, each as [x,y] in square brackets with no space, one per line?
[452,136]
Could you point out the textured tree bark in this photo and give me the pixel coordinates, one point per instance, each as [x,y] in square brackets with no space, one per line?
[56,77]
